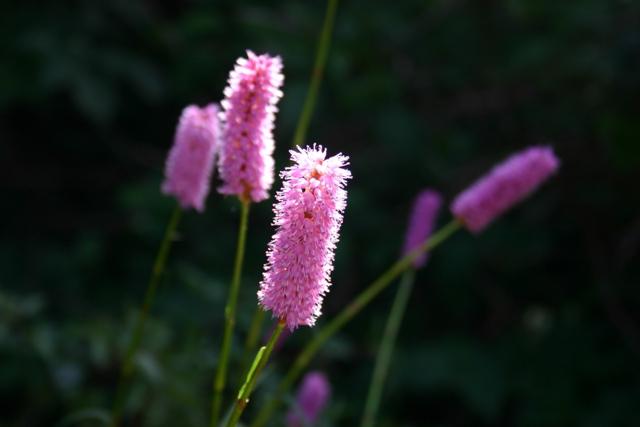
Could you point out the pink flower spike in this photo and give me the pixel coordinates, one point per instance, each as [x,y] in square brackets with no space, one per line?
[246,158]
[504,186]
[191,159]
[423,217]
[308,216]
[311,399]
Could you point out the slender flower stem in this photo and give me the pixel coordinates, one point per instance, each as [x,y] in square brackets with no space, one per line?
[136,338]
[230,316]
[253,336]
[385,351]
[316,74]
[252,376]
[348,313]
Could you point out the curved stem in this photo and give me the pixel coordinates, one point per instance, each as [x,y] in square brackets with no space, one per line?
[220,379]
[346,315]
[154,280]
[383,360]
[316,74]
[252,376]
[253,336]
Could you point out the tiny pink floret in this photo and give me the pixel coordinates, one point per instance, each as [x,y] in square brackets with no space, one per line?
[246,158]
[191,159]
[504,186]
[423,217]
[308,216]
[312,398]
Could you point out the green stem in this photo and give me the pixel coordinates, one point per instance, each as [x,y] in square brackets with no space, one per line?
[252,376]
[154,280]
[316,74]
[253,336]
[230,317]
[346,315]
[383,360]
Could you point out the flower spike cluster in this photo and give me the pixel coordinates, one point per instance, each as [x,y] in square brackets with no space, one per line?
[308,216]
[504,186]
[311,399]
[246,159]
[421,222]
[191,159]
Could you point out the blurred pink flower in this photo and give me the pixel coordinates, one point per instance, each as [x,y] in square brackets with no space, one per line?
[311,399]
[505,185]
[190,161]
[421,222]
[246,157]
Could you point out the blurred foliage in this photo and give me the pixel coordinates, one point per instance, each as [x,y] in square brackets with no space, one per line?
[533,323]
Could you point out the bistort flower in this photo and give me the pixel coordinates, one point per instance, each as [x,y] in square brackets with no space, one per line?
[421,222]
[191,159]
[308,215]
[311,399]
[246,158]
[504,186]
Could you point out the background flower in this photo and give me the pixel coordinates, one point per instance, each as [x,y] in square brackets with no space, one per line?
[191,159]
[311,399]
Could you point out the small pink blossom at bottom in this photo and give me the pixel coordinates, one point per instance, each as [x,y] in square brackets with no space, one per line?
[504,186]
[421,222]
[308,216]
[311,399]
[191,159]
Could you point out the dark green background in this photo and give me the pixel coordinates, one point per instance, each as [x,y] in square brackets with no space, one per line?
[533,323]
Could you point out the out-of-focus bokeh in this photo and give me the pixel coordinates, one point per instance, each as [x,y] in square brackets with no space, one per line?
[533,323]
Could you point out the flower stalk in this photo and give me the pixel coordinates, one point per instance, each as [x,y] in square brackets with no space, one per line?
[253,336]
[348,313]
[257,366]
[220,379]
[383,360]
[316,74]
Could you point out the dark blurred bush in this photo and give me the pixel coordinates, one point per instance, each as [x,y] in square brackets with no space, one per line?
[534,323]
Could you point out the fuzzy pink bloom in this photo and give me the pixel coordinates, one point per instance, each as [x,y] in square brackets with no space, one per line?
[191,159]
[423,216]
[246,158]
[308,215]
[311,399]
[505,185]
